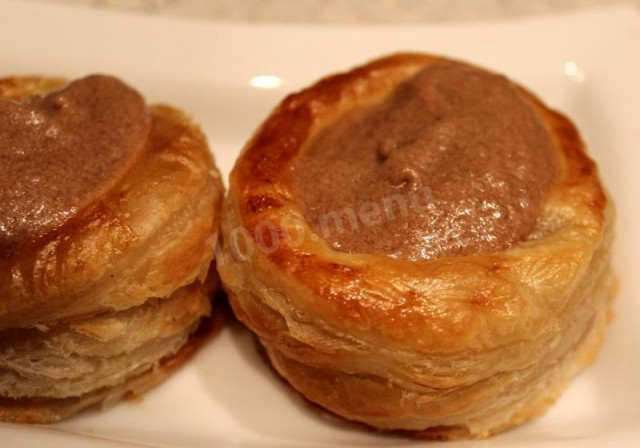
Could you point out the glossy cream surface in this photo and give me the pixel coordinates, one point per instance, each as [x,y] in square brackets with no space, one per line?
[62,151]
[454,162]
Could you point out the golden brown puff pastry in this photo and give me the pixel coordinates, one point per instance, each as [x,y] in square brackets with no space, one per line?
[110,211]
[455,327]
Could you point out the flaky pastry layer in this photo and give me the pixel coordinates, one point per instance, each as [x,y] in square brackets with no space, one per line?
[112,301]
[446,348]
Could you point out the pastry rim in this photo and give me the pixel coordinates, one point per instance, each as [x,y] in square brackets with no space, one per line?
[323,283]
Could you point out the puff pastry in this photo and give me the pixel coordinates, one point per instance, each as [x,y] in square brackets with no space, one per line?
[107,266]
[455,343]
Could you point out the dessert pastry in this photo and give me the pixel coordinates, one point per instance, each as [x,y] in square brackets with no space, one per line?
[420,245]
[108,220]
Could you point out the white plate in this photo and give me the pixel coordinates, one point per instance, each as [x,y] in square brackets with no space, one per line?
[585,64]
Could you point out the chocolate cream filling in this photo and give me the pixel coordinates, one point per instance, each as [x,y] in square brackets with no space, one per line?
[62,151]
[455,161]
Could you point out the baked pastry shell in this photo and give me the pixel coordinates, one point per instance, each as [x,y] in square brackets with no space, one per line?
[338,325]
[152,233]
[146,244]
[440,305]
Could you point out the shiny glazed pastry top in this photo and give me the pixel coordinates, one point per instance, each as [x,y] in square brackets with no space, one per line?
[460,316]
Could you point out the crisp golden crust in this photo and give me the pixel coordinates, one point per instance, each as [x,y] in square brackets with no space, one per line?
[152,233]
[115,299]
[421,346]
[20,88]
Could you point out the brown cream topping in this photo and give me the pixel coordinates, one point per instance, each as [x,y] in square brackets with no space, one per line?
[454,162]
[60,152]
